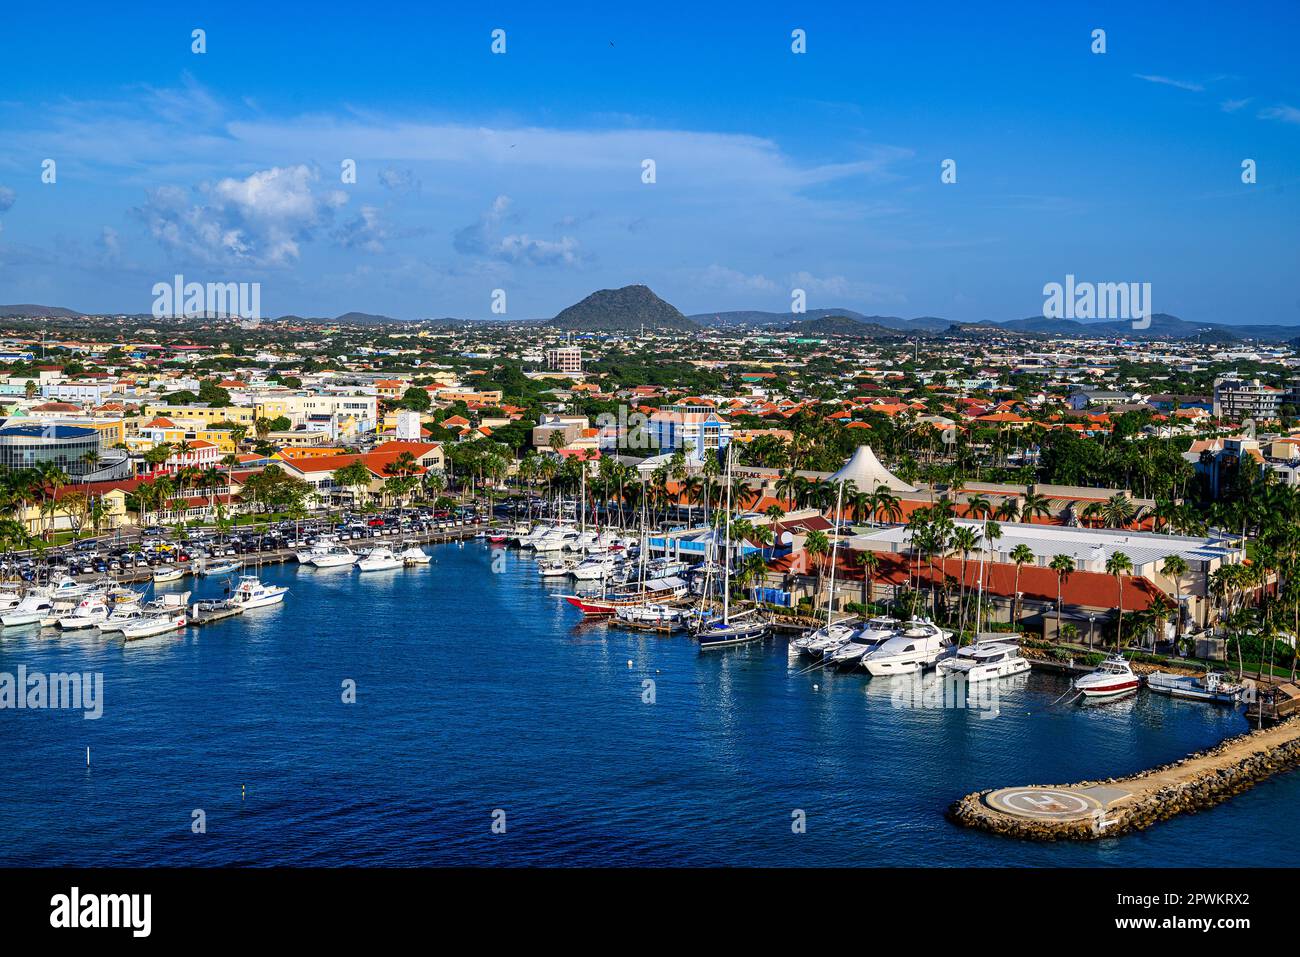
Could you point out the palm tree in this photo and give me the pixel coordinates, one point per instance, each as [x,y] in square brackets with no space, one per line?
[1063,565]
[815,546]
[1034,504]
[965,540]
[1174,568]
[1020,554]
[977,506]
[868,562]
[1119,565]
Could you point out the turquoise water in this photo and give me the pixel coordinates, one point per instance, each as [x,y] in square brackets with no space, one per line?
[479,692]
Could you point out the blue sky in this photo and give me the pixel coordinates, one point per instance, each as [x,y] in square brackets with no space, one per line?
[774,171]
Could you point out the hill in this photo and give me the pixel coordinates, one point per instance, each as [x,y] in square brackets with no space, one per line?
[31,311]
[628,309]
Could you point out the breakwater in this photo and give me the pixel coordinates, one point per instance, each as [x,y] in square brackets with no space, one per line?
[1106,808]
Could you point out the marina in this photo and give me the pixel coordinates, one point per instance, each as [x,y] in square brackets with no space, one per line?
[747,721]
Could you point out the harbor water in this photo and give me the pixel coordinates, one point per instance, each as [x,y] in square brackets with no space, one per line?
[481,699]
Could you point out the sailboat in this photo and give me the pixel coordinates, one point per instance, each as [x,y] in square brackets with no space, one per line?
[728,630]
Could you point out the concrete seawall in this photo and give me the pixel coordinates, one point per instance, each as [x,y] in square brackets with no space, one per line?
[1092,809]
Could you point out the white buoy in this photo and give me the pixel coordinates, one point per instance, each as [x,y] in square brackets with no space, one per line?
[87,755]
[817,687]
[629,662]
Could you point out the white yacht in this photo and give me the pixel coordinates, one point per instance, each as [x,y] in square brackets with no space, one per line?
[865,640]
[379,559]
[918,646]
[90,612]
[828,637]
[155,624]
[1111,678]
[653,614]
[225,566]
[32,609]
[168,573]
[9,599]
[992,658]
[554,568]
[328,555]
[254,593]
[594,569]
[555,539]
[413,554]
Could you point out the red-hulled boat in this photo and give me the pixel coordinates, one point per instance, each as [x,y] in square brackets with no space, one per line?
[656,590]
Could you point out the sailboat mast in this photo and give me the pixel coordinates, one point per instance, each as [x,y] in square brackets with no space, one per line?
[726,550]
[835,544]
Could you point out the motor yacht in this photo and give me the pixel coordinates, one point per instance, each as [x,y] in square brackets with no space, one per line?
[32,609]
[865,640]
[226,566]
[920,644]
[1113,677]
[155,624]
[594,569]
[168,573]
[984,660]
[828,637]
[379,559]
[254,593]
[331,555]
[90,612]
[413,554]
[554,568]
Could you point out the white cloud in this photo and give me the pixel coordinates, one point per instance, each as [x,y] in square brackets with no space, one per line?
[1168,81]
[1283,113]
[733,280]
[260,220]
[481,239]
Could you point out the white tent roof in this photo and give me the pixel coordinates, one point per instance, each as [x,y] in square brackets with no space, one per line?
[865,471]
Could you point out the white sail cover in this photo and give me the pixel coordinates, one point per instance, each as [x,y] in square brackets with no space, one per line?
[865,471]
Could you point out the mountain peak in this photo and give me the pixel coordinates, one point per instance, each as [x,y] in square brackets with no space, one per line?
[627,309]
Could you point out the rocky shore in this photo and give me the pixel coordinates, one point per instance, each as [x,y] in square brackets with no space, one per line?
[1191,784]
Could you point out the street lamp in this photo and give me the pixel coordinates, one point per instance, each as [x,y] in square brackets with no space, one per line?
[1091,619]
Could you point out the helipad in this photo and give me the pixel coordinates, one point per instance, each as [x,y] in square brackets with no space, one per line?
[1051,804]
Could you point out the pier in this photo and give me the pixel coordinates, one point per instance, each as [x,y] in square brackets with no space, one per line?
[1093,809]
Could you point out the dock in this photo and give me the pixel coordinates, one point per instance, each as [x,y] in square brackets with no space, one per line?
[1093,809]
[205,613]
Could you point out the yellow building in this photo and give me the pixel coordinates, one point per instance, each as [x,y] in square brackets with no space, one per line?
[202,417]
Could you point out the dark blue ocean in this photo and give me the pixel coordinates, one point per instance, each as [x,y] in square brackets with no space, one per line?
[479,691]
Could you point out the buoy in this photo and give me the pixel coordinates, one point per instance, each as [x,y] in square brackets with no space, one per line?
[629,662]
[817,687]
[87,755]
